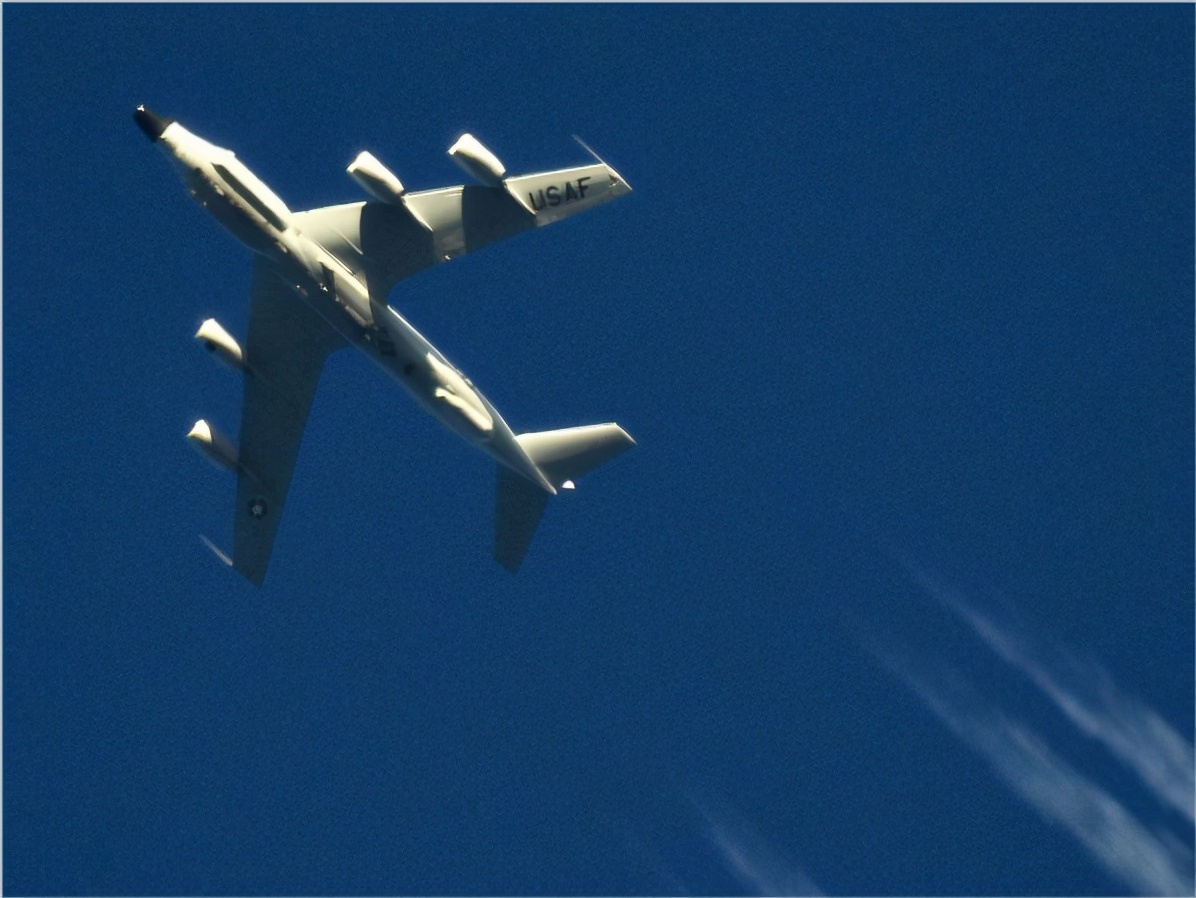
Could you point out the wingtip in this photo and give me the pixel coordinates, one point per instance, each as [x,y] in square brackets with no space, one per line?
[618,178]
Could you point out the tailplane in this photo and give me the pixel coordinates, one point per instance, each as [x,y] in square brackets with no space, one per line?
[561,455]
[572,451]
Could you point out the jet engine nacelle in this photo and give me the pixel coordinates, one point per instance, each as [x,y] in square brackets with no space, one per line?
[213,445]
[376,179]
[220,342]
[478,161]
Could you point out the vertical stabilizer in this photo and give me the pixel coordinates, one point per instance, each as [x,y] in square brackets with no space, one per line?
[519,503]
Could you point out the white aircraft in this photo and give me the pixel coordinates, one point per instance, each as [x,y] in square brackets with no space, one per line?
[320,282]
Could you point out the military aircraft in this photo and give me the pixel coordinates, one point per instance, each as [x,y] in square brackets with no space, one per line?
[320,284]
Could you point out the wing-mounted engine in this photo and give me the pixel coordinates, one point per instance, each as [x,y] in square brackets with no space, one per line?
[210,442]
[221,344]
[376,179]
[381,183]
[213,445]
[478,162]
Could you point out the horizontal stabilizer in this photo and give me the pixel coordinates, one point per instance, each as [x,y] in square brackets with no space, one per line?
[561,455]
[568,453]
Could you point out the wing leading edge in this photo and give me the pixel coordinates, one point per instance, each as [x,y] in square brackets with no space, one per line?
[285,353]
[386,242]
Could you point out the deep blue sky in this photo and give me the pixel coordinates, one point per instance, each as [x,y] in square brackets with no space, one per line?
[894,596]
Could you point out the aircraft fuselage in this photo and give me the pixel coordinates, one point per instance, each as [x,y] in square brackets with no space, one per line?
[254,214]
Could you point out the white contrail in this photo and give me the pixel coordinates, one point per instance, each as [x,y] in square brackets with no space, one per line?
[223,556]
[1131,731]
[758,867]
[1151,864]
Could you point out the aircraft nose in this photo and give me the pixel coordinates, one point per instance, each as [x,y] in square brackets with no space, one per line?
[151,124]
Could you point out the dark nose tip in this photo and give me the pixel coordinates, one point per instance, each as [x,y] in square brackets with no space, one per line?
[152,125]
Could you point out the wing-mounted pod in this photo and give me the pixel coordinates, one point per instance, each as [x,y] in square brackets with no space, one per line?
[220,343]
[381,183]
[376,179]
[213,445]
[477,161]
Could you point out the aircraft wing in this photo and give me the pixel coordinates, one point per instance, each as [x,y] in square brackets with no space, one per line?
[385,242]
[285,353]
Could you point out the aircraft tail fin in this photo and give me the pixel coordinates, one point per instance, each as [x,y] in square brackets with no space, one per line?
[561,455]
[519,503]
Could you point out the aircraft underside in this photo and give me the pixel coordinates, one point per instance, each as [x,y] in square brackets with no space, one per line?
[320,284]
